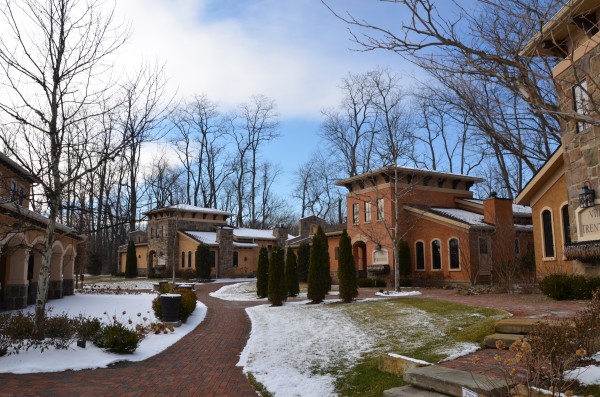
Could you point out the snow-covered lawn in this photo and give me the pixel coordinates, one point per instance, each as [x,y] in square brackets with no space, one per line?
[303,350]
[124,307]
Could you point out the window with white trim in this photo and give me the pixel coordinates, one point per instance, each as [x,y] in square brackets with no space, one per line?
[420,257]
[367,211]
[436,255]
[548,234]
[380,213]
[581,103]
[355,214]
[454,251]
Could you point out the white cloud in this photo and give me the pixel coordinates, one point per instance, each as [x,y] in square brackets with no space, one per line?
[292,51]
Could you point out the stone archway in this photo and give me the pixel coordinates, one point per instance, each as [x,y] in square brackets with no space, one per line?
[55,288]
[359,251]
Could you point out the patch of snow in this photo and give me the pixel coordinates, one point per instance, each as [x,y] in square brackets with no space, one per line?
[238,292]
[462,349]
[292,347]
[413,360]
[208,238]
[124,307]
[262,234]
[398,293]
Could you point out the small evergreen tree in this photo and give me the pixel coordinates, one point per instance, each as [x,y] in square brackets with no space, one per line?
[291,273]
[405,263]
[318,268]
[262,273]
[203,262]
[347,269]
[303,261]
[131,261]
[277,289]
[95,264]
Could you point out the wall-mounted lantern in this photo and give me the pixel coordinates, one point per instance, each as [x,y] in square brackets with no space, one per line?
[587,197]
[377,247]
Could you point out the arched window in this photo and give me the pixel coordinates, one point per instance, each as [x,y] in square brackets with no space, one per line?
[182,258]
[454,254]
[436,255]
[189,258]
[420,248]
[548,234]
[566,225]
[235,259]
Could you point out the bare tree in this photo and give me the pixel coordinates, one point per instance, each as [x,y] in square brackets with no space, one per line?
[54,56]
[143,112]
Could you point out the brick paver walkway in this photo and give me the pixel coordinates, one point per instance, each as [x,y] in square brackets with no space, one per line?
[203,362]
[200,364]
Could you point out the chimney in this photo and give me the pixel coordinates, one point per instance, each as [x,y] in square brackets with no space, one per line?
[498,212]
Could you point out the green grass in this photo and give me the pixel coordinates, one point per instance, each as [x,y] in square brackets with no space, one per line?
[259,387]
[425,329]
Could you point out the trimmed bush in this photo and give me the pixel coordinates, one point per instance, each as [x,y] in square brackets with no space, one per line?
[203,262]
[347,269]
[319,279]
[131,261]
[88,328]
[277,289]
[562,286]
[186,307]
[364,282]
[291,274]
[262,273]
[303,261]
[116,338]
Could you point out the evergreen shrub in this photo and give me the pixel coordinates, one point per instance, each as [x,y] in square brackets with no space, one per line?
[303,261]
[319,278]
[186,307]
[277,287]
[347,269]
[405,263]
[116,338]
[291,273]
[365,282]
[561,286]
[262,273]
[203,262]
[131,261]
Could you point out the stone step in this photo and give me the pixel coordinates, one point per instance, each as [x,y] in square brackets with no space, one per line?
[451,381]
[516,325]
[411,391]
[508,339]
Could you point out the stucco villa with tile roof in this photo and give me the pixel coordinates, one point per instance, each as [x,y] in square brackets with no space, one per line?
[174,233]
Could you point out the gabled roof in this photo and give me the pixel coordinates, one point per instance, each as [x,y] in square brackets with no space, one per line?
[16,168]
[548,171]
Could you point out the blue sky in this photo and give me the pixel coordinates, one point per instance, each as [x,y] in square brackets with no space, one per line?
[293,51]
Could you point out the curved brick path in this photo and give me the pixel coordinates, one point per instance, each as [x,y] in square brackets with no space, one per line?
[200,364]
[203,362]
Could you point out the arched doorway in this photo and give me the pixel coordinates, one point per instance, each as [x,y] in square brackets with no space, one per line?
[359,251]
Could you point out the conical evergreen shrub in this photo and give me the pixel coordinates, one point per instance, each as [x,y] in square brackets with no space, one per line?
[303,261]
[203,262]
[262,273]
[291,273]
[131,261]
[347,269]
[277,289]
[404,263]
[318,268]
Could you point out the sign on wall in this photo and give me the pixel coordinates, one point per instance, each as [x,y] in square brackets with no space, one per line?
[588,223]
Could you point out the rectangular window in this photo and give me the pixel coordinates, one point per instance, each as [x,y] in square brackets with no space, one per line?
[355,214]
[380,212]
[337,253]
[367,212]
[483,245]
[454,254]
[517,247]
[581,103]
[13,190]
[235,259]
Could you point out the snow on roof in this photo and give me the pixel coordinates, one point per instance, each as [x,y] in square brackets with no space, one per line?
[208,238]
[244,245]
[193,208]
[468,217]
[524,228]
[516,208]
[254,233]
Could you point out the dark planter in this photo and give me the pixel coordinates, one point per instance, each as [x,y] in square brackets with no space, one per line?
[169,304]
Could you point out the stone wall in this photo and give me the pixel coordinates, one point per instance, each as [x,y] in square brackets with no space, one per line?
[15,296]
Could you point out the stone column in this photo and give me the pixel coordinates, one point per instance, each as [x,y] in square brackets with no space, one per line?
[68,279]
[55,289]
[225,263]
[15,295]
